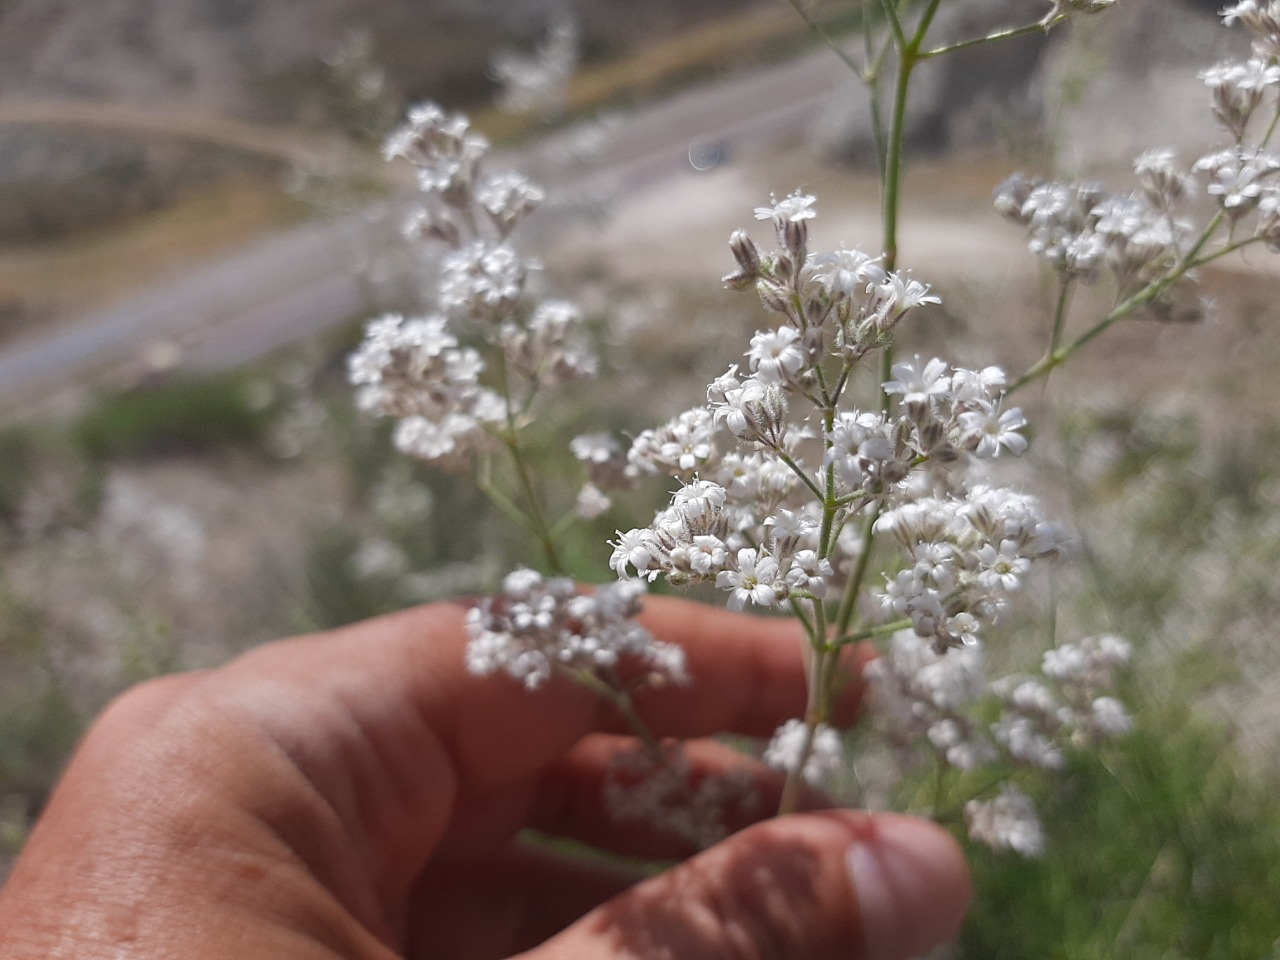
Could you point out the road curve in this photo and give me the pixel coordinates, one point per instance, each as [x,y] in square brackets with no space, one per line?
[304,280]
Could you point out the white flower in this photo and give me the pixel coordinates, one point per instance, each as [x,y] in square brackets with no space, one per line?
[790,209]
[638,549]
[508,198]
[1026,742]
[776,355]
[707,555]
[1008,822]
[591,502]
[537,625]
[752,580]
[993,430]
[919,383]
[1001,569]
[971,386]
[698,499]
[683,444]
[844,272]
[1109,717]
[890,299]
[826,752]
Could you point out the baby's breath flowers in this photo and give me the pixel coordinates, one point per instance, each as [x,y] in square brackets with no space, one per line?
[537,627]
[785,486]
[463,381]
[817,476]
[1149,241]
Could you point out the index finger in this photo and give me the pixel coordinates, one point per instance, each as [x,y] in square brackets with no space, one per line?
[748,675]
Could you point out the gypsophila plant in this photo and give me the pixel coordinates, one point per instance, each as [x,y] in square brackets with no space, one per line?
[1149,242]
[821,476]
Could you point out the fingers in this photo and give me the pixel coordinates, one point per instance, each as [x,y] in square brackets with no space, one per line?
[748,675]
[570,798]
[483,909]
[748,671]
[838,884]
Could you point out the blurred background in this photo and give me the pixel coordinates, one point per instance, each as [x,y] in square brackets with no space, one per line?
[195,222]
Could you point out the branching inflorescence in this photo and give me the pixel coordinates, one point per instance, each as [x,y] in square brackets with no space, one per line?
[820,476]
[1148,241]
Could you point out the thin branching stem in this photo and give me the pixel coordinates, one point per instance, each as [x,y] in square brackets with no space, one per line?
[821,31]
[799,472]
[871,633]
[857,576]
[1039,26]
[1146,295]
[537,522]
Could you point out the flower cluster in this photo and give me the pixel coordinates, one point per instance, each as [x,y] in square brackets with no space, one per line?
[1141,237]
[793,740]
[536,626]
[538,83]
[965,555]
[776,464]
[1071,705]
[939,698]
[415,370]
[427,371]
[658,787]
[1006,822]
[1080,229]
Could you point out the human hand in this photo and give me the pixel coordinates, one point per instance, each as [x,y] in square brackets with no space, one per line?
[358,794]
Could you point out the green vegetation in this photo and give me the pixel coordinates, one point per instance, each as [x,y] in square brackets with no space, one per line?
[185,416]
[1161,848]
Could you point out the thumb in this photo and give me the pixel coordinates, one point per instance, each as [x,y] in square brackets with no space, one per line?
[836,884]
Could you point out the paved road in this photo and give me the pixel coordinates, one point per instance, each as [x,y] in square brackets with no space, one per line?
[296,283]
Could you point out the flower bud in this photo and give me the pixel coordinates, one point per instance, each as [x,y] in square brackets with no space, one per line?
[745,252]
[795,235]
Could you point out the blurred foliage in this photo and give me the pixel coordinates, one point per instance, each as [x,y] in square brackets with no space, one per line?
[1159,848]
[183,416]
[17,469]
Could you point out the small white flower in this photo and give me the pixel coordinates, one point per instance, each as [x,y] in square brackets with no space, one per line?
[1008,822]
[752,580]
[826,752]
[776,355]
[844,272]
[919,383]
[1109,717]
[993,430]
[591,502]
[698,499]
[790,209]
[638,549]
[1003,568]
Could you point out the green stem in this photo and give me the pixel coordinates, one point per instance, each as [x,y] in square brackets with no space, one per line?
[870,633]
[826,38]
[895,25]
[1065,289]
[939,785]
[804,477]
[536,521]
[504,503]
[893,160]
[1055,358]
[822,673]
[852,589]
[1007,34]
[1271,127]
[875,67]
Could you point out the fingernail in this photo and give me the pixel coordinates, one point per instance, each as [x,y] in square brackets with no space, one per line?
[912,885]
